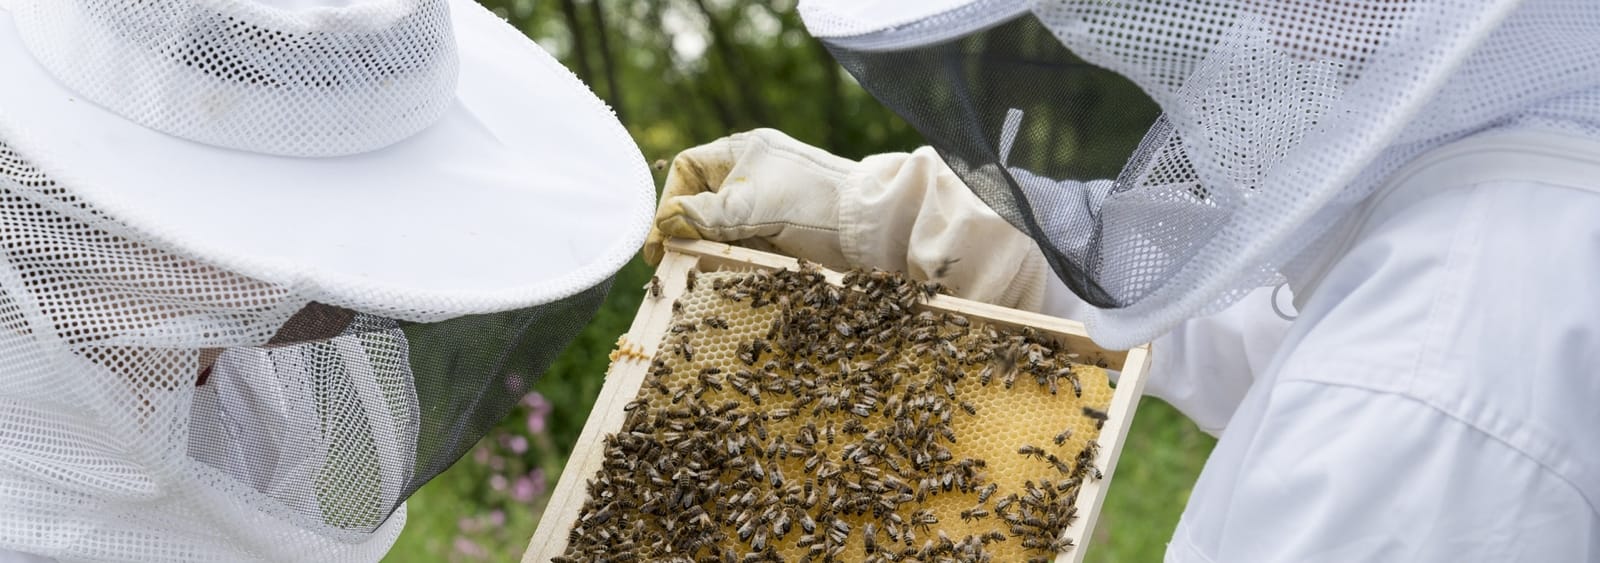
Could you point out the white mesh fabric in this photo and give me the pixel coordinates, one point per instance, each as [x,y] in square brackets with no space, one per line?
[289,78]
[844,19]
[1279,117]
[108,449]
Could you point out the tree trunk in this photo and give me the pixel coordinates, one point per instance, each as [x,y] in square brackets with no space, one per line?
[688,94]
[743,80]
[580,46]
[607,65]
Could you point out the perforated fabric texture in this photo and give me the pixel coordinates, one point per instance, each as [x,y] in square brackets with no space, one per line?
[156,408]
[1276,120]
[341,79]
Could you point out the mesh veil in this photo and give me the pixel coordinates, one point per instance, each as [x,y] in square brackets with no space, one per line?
[1170,156]
[300,442]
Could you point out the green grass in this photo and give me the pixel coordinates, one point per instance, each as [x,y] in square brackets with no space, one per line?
[1160,460]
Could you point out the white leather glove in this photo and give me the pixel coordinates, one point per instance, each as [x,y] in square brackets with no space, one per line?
[900,212]
[763,189]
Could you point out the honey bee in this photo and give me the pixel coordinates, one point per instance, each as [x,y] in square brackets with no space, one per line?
[1061,544]
[1098,416]
[1059,465]
[655,287]
[986,492]
[974,513]
[1003,503]
[685,348]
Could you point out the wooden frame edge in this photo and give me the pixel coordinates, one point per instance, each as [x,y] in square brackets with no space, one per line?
[1130,387]
[623,380]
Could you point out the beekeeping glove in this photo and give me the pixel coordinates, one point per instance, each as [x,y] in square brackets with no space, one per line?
[761,188]
[901,212]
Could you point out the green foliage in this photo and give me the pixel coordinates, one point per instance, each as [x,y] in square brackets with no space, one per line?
[1160,460]
[681,73]
[686,72]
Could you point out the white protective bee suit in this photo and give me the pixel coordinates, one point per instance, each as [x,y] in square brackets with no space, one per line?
[267,267]
[1431,401]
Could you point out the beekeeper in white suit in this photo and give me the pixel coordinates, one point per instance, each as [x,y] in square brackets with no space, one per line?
[268,266]
[1423,175]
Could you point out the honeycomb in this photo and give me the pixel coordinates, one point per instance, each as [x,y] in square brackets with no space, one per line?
[786,419]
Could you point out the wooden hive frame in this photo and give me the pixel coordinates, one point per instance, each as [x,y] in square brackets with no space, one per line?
[631,364]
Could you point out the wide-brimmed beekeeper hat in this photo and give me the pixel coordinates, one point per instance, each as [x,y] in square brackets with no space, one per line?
[267,266]
[1170,156]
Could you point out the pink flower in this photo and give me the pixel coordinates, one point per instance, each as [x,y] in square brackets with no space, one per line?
[536,401]
[467,525]
[518,444]
[497,518]
[470,548]
[536,422]
[540,483]
[497,482]
[523,490]
[480,455]
[497,463]
[538,410]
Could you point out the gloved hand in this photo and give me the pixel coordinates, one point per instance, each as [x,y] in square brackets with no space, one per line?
[901,212]
[762,188]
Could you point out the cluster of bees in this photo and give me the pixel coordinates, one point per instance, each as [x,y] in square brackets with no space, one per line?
[789,419]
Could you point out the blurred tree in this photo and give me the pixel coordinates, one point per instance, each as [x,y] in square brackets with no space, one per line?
[684,72]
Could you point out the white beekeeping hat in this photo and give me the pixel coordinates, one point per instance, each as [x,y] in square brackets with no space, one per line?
[1234,133]
[267,266]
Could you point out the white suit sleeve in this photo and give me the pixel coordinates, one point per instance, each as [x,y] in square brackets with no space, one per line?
[1204,365]
[909,212]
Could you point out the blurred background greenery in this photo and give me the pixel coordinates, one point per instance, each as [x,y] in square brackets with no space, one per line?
[680,73]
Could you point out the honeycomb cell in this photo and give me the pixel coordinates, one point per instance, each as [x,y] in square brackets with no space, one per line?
[776,399]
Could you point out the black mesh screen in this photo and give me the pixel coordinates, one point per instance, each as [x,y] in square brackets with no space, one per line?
[1035,131]
[344,415]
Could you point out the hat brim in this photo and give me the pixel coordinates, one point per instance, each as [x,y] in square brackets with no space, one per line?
[528,191]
